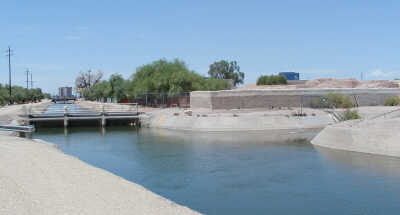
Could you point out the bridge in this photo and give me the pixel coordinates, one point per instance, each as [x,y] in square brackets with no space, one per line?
[78,114]
[63,99]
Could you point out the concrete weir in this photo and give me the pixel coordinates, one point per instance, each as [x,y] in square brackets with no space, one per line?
[379,136]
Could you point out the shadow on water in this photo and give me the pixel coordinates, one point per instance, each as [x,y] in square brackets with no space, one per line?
[240,172]
[369,163]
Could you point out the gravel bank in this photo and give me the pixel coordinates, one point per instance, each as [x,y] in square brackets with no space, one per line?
[36,178]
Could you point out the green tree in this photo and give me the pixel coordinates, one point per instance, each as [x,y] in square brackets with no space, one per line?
[119,87]
[165,77]
[226,70]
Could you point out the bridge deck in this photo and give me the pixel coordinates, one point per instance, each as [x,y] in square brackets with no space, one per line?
[61,118]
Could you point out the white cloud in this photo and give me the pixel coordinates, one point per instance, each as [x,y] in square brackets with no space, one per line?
[380,74]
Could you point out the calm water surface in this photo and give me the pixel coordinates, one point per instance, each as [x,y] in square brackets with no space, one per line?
[239,173]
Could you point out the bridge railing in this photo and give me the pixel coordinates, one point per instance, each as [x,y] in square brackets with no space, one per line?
[82,108]
[110,107]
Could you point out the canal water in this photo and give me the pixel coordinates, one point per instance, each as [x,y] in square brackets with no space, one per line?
[239,173]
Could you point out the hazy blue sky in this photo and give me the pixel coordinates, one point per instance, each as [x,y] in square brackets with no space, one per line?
[57,39]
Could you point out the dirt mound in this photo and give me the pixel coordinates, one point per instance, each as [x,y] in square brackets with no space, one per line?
[259,87]
[328,83]
[378,84]
[332,83]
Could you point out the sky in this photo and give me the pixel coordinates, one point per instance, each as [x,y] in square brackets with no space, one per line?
[58,39]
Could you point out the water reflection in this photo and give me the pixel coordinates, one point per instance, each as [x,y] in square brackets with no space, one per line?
[372,164]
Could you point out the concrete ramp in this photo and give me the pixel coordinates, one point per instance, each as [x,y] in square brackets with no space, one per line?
[380,136]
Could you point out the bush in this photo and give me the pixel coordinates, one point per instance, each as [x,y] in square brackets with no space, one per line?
[392,101]
[271,80]
[319,103]
[351,115]
[332,100]
[339,100]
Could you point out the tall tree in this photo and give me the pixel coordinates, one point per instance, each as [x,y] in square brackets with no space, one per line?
[165,77]
[118,86]
[226,70]
[85,80]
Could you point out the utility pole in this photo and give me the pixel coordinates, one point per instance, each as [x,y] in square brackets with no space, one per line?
[89,76]
[31,81]
[27,78]
[9,54]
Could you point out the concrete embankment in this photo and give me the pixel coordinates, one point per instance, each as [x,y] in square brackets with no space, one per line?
[36,178]
[239,120]
[379,136]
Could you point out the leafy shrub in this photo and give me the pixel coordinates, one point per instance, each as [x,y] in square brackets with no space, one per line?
[319,103]
[351,115]
[339,100]
[332,100]
[392,101]
[271,80]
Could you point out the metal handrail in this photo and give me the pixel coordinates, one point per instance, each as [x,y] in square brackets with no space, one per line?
[89,109]
[17,128]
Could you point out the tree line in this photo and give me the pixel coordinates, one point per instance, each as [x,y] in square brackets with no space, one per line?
[20,95]
[159,77]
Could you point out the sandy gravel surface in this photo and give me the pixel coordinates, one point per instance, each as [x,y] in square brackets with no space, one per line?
[36,178]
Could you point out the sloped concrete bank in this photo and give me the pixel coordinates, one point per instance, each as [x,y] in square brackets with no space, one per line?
[241,120]
[380,136]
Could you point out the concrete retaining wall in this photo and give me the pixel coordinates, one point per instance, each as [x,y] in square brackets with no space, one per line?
[371,136]
[243,99]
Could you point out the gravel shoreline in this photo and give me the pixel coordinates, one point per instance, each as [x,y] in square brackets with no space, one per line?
[37,178]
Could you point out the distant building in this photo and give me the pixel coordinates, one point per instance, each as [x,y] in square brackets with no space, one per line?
[291,75]
[65,92]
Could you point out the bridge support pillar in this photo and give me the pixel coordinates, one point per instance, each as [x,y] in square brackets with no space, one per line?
[65,121]
[103,121]
[65,116]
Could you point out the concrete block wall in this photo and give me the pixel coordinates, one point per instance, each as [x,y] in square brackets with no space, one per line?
[247,99]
